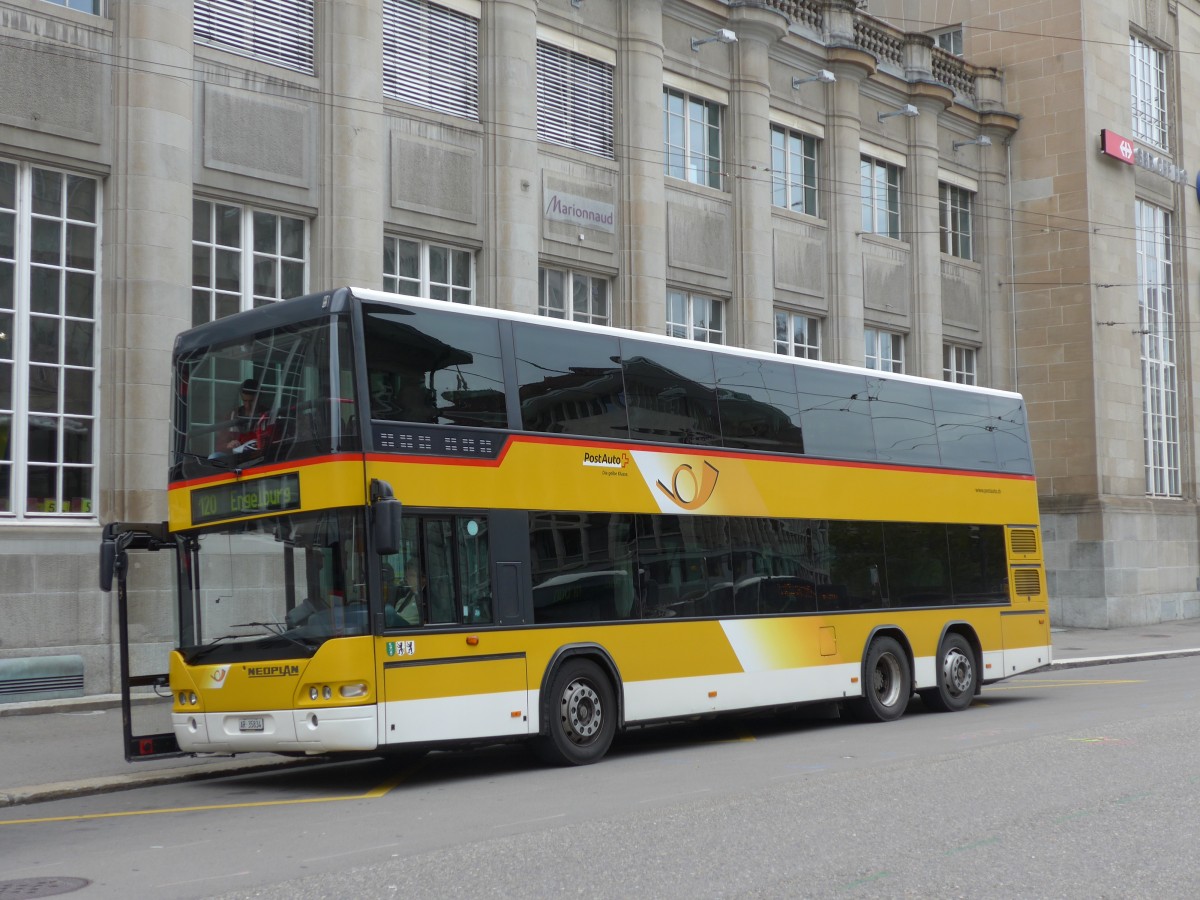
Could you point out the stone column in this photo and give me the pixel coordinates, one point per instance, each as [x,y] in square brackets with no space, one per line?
[354,141]
[752,307]
[508,111]
[925,354]
[642,214]
[147,246]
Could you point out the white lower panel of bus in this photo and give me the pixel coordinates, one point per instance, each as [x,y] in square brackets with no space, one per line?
[280,730]
[669,698]
[502,714]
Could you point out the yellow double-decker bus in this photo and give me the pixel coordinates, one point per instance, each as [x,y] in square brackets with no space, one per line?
[405,524]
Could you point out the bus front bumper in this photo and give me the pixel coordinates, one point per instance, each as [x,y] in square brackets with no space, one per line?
[310,731]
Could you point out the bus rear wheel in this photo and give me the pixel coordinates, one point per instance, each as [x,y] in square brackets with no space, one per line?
[887,683]
[582,716]
[957,676]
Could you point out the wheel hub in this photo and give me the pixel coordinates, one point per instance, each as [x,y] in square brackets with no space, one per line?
[956,672]
[581,711]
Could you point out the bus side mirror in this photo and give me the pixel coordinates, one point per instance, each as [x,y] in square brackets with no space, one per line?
[108,563]
[385,510]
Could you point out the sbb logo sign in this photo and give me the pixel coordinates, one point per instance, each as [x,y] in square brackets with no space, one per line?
[1113,144]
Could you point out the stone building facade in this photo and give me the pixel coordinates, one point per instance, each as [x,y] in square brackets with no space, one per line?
[787,175]
[1102,277]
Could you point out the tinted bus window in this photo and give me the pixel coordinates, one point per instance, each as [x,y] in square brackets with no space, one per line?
[835,413]
[583,567]
[757,401]
[978,568]
[671,393]
[965,430]
[857,574]
[903,423]
[432,366]
[570,382]
[1012,436]
[687,566]
[918,564]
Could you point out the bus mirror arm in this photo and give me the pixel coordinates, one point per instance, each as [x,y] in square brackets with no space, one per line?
[386,511]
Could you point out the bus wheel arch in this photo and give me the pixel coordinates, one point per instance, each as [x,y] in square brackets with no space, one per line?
[580,707]
[887,679]
[957,671]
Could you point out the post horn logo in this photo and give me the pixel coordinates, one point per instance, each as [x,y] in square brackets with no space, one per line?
[689,490]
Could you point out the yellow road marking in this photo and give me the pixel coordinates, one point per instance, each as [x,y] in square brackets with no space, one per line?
[374,794]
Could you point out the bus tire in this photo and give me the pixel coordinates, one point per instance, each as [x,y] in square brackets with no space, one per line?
[957,676]
[582,718]
[887,683]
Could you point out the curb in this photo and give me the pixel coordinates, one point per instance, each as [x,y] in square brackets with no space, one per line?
[1083,661]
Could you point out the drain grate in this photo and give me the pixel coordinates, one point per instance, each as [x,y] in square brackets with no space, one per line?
[50,886]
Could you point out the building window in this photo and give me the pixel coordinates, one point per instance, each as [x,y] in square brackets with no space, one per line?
[1148,86]
[880,188]
[86,6]
[951,40]
[1156,308]
[423,269]
[279,32]
[692,132]
[884,350]
[243,258]
[797,335]
[956,208]
[695,317]
[431,57]
[793,170]
[588,301]
[958,364]
[49,266]
[574,101]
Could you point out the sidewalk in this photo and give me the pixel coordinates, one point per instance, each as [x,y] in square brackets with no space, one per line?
[54,749]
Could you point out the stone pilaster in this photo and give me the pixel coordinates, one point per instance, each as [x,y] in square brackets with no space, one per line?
[148,232]
[508,78]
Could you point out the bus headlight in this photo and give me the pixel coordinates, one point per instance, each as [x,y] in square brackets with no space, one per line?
[312,693]
[350,691]
[326,693]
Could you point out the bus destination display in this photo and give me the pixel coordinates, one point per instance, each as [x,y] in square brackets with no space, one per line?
[275,493]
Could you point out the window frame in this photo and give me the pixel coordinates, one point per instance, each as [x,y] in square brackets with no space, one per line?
[250,257]
[260,30]
[570,310]
[697,309]
[425,284]
[785,341]
[575,101]
[956,215]
[1159,363]
[959,363]
[440,46]
[1148,90]
[683,160]
[26,360]
[784,179]
[880,189]
[875,341]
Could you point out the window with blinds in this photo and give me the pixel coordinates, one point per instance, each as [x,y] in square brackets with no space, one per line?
[280,32]
[431,57]
[574,101]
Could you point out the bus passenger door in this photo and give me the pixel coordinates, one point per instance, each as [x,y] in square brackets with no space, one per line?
[448,674]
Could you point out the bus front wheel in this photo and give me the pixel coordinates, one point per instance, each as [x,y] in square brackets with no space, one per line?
[887,683]
[582,715]
[957,677]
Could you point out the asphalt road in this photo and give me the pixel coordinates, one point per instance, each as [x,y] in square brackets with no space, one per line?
[1078,783]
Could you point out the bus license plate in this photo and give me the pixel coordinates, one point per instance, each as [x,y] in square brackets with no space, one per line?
[255,724]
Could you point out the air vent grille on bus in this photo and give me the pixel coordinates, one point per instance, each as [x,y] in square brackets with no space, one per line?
[1023,541]
[1027,582]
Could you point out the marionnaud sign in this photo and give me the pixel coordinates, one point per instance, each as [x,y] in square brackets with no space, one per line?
[1122,148]
[583,211]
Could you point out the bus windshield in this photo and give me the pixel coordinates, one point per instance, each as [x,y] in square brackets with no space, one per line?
[274,587]
[269,397]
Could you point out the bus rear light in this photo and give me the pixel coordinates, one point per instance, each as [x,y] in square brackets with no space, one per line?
[350,691]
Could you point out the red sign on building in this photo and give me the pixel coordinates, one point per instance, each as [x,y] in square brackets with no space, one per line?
[1112,144]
